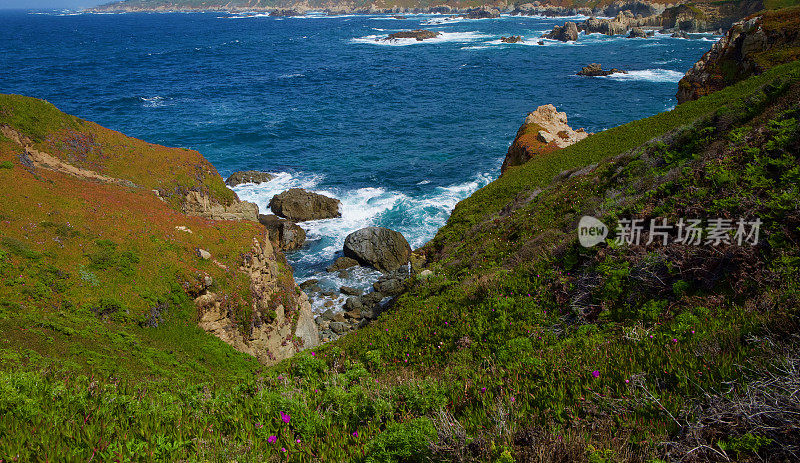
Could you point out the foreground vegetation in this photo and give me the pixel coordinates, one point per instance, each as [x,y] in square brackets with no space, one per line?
[522,346]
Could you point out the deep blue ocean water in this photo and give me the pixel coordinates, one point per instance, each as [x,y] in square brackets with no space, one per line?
[399,132]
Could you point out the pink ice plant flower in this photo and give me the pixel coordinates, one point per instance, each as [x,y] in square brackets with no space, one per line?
[286,418]
[596,374]
[272,439]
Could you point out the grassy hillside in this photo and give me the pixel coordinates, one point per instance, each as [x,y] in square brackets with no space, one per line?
[522,346]
[97,277]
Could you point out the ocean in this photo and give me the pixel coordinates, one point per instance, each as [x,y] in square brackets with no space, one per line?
[399,132]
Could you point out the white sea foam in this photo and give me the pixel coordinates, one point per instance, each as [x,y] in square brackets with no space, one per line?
[649,75]
[442,38]
[153,101]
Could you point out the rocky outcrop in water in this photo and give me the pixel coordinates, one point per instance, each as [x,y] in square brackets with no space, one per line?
[419,34]
[639,33]
[301,205]
[596,70]
[566,33]
[748,48]
[378,247]
[511,39]
[281,324]
[481,13]
[544,130]
[248,176]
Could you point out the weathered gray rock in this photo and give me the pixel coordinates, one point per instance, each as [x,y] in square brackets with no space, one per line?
[389,287]
[308,283]
[300,205]
[349,291]
[511,39]
[205,255]
[353,303]
[378,247]
[371,299]
[338,327]
[285,233]
[341,264]
[248,176]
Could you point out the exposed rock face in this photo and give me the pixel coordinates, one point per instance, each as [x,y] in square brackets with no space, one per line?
[512,39]
[637,33]
[285,233]
[544,130]
[566,33]
[419,34]
[248,176]
[481,13]
[748,48]
[301,205]
[271,336]
[198,204]
[596,70]
[680,35]
[378,247]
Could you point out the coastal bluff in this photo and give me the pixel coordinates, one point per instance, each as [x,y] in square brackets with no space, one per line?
[141,235]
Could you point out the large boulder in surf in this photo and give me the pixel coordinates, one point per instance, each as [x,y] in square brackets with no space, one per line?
[300,205]
[248,176]
[566,33]
[419,34]
[378,247]
[285,233]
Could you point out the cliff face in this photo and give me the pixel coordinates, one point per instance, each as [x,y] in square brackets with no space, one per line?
[749,48]
[282,322]
[136,235]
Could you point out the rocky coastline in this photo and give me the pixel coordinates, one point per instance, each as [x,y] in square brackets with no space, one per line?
[701,17]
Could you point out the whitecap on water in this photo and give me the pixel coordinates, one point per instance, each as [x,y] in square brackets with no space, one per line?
[442,38]
[648,75]
[153,101]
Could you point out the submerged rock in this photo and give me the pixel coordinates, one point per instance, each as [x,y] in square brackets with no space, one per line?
[419,34]
[248,176]
[301,205]
[378,247]
[596,70]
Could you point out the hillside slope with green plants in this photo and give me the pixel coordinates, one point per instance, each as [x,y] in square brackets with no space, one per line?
[521,345]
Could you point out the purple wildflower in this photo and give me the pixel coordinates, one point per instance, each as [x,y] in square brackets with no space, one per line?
[596,374]
[272,439]
[286,418]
